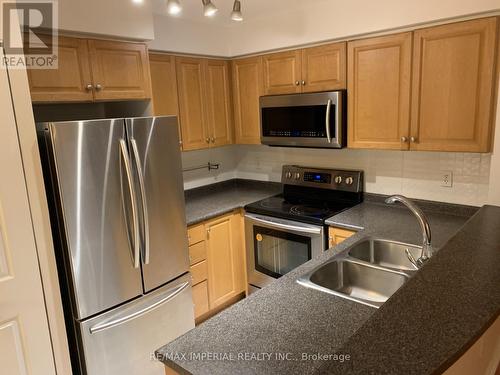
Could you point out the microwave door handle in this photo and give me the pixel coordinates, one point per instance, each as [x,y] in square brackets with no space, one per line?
[327,120]
[142,190]
[135,220]
[288,226]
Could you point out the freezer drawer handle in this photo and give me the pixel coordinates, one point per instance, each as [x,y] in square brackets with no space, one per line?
[136,314]
[142,190]
[135,220]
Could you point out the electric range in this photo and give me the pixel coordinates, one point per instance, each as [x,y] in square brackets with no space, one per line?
[286,230]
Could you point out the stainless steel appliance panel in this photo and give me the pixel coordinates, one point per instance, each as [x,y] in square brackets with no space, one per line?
[312,234]
[154,149]
[122,341]
[99,212]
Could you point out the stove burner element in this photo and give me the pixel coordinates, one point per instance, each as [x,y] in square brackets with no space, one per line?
[269,203]
[309,210]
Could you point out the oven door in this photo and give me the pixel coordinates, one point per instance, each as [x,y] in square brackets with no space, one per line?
[276,246]
[306,120]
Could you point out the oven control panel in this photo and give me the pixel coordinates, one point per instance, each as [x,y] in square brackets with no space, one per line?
[333,179]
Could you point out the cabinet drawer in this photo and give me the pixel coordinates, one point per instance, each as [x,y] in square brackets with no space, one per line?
[200,299]
[196,234]
[197,253]
[199,272]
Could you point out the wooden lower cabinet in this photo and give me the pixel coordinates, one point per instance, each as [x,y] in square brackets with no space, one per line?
[338,235]
[216,253]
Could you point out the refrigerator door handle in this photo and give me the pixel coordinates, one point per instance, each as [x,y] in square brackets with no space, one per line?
[135,220]
[142,190]
[120,319]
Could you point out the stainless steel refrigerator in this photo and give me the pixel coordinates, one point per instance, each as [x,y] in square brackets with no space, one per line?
[117,212]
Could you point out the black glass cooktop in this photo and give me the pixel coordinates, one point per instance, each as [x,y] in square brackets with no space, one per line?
[298,210]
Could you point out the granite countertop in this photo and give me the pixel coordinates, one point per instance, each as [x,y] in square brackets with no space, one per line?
[217,199]
[274,329]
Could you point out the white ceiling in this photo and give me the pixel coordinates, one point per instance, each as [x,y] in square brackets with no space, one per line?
[193,9]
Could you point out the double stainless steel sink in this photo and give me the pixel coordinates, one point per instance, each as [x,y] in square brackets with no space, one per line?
[368,272]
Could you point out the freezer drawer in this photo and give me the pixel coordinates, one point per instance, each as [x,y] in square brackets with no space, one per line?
[123,340]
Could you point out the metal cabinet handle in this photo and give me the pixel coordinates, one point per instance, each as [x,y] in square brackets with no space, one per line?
[142,190]
[212,139]
[123,319]
[303,83]
[89,87]
[413,139]
[404,139]
[297,83]
[133,199]
[207,140]
[98,87]
[327,120]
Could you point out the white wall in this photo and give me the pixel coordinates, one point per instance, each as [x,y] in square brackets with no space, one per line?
[494,193]
[114,18]
[186,36]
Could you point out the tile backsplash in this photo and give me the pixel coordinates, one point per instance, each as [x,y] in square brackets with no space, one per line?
[414,174]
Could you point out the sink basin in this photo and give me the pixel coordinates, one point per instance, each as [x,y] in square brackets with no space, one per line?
[364,283]
[368,272]
[385,253]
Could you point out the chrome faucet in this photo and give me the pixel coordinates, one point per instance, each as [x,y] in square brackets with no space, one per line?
[424,225]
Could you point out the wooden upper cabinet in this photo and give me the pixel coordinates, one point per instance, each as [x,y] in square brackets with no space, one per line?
[163,85]
[71,81]
[191,90]
[247,88]
[218,99]
[282,72]
[378,76]
[453,77]
[324,68]
[119,70]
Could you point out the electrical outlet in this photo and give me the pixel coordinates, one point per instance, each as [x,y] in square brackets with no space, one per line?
[446,178]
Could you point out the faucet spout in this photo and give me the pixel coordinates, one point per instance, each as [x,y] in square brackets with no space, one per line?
[427,250]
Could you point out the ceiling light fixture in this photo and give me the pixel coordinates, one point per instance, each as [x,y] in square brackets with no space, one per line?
[236,13]
[137,1]
[173,7]
[209,9]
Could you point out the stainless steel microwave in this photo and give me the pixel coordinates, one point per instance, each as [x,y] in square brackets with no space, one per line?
[304,120]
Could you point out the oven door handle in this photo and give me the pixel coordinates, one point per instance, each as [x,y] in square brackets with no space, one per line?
[327,120]
[295,228]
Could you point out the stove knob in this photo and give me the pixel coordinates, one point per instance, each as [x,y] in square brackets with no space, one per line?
[349,180]
[288,175]
[297,176]
[338,180]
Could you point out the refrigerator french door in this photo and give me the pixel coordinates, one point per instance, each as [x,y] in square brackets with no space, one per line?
[117,212]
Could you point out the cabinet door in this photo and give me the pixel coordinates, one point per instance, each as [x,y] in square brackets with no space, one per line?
[225,259]
[324,68]
[71,81]
[338,235]
[247,88]
[282,73]
[25,345]
[164,86]
[218,99]
[378,74]
[190,86]
[453,74]
[120,71]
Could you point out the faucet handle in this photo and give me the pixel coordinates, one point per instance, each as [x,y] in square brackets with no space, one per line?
[412,259]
